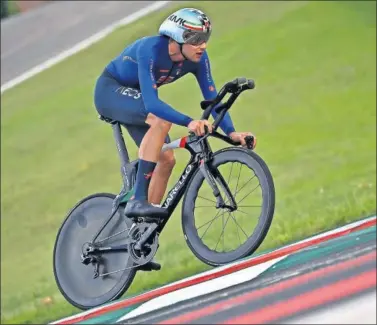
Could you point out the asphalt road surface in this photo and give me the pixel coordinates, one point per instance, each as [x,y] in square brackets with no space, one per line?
[331,287]
[31,38]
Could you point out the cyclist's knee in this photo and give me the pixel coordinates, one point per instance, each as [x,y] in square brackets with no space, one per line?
[156,122]
[167,159]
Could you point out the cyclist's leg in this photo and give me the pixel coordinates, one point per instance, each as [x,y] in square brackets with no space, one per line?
[149,154]
[165,164]
[161,177]
[126,105]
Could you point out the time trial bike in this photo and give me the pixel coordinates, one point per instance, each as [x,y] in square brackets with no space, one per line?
[98,249]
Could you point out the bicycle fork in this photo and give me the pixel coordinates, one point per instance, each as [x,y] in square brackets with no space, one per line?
[206,171]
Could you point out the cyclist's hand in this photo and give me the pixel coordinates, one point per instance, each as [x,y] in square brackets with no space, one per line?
[197,126]
[240,137]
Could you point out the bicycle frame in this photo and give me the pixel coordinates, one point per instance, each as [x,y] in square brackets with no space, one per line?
[200,151]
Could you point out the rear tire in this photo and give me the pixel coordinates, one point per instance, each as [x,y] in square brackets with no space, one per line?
[197,245]
[74,279]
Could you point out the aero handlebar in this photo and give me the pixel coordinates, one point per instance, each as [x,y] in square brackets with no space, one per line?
[235,88]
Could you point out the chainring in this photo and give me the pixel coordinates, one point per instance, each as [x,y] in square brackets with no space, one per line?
[148,250]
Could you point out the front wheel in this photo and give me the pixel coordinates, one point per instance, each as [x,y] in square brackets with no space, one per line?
[220,236]
[75,279]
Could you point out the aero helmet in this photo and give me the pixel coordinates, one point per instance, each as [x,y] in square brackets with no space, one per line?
[187,25]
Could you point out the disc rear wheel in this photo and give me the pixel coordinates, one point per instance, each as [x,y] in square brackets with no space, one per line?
[76,280]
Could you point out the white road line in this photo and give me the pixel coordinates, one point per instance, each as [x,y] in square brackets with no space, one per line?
[84,44]
[201,289]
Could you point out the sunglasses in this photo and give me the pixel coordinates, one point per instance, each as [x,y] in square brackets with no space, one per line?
[196,38]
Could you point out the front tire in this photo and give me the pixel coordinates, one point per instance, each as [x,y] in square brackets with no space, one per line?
[192,215]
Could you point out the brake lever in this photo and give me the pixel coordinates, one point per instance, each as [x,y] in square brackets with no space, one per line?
[206,134]
[248,139]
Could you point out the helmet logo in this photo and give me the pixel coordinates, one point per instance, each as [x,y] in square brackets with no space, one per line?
[180,21]
[177,20]
[206,23]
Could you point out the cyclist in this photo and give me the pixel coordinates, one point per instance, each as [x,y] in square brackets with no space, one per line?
[127,91]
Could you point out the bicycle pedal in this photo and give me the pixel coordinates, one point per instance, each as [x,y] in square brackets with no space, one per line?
[152,220]
[150,266]
[147,220]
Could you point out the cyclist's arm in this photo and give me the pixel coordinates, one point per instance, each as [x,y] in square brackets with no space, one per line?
[208,88]
[148,87]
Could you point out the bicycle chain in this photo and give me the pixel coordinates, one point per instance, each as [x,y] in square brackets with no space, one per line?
[116,234]
[127,268]
[136,265]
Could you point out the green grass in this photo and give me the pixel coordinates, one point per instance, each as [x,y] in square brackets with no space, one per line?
[12,8]
[313,111]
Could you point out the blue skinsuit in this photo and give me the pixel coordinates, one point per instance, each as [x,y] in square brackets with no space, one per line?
[127,90]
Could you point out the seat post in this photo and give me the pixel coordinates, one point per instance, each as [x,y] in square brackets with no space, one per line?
[123,153]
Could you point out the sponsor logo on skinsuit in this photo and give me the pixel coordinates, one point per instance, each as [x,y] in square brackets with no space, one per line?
[151,63]
[126,57]
[165,79]
[148,176]
[130,92]
[208,71]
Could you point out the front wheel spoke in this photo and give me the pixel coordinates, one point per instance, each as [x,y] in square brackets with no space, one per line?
[210,223]
[207,199]
[234,218]
[237,226]
[238,179]
[239,190]
[222,232]
[230,174]
[248,193]
[238,233]
[249,206]
[226,201]
[238,210]
[223,236]
[204,206]
[215,217]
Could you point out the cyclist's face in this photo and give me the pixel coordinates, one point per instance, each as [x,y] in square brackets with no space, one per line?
[194,52]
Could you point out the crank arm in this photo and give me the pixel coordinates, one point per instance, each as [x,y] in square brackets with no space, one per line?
[211,181]
[145,236]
